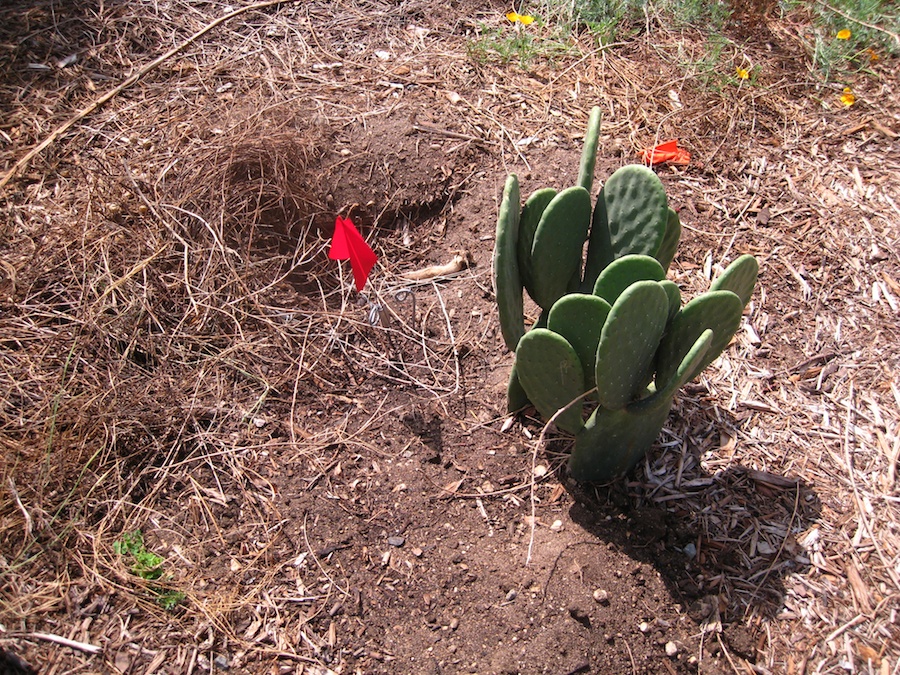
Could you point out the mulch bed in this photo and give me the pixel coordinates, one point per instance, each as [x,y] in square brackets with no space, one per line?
[330,477]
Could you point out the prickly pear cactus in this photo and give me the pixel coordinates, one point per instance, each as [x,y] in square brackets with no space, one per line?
[552,376]
[558,242]
[619,349]
[507,280]
[631,217]
[579,319]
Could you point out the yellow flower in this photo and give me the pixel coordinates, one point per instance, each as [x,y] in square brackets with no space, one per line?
[844,34]
[847,98]
[742,73]
[524,19]
[871,53]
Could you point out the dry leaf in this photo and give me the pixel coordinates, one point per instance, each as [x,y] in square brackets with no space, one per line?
[866,653]
[451,487]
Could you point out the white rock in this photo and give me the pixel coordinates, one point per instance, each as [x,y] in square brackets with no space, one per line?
[601,595]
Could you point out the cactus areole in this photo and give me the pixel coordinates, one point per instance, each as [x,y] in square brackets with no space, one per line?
[613,343]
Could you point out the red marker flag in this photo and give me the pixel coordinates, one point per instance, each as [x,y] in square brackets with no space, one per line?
[666,152]
[348,244]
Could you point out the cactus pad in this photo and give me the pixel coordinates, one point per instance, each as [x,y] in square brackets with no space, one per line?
[579,319]
[551,376]
[739,278]
[558,243]
[589,151]
[507,282]
[628,343]
[674,293]
[516,398]
[528,222]
[625,271]
[719,311]
[631,216]
[666,253]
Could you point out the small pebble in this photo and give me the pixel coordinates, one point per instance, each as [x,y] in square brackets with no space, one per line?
[556,526]
[602,596]
[512,595]
[644,627]
[671,649]
[397,541]
[454,623]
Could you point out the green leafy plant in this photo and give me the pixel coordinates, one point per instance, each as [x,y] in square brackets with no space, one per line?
[518,42]
[848,36]
[613,20]
[148,566]
[612,329]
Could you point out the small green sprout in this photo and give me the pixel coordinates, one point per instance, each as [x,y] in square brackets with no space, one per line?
[148,566]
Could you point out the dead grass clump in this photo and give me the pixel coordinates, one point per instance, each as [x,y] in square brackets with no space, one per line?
[258,187]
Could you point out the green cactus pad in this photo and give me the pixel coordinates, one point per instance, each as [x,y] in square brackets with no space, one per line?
[719,311]
[674,293]
[579,318]
[507,282]
[589,151]
[528,222]
[739,278]
[666,253]
[558,243]
[551,375]
[630,217]
[625,271]
[690,364]
[612,442]
[516,398]
[628,343]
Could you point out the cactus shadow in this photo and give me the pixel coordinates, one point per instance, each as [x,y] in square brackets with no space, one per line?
[722,542]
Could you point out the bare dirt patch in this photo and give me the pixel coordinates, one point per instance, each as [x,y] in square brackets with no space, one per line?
[326,474]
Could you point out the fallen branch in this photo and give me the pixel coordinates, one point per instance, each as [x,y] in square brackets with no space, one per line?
[460,261]
[65,642]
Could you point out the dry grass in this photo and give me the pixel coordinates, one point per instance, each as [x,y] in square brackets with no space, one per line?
[169,319]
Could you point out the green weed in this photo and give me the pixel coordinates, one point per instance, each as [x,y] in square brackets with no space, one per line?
[517,43]
[148,566]
[607,21]
[873,25]
[871,29]
[705,62]
[616,20]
